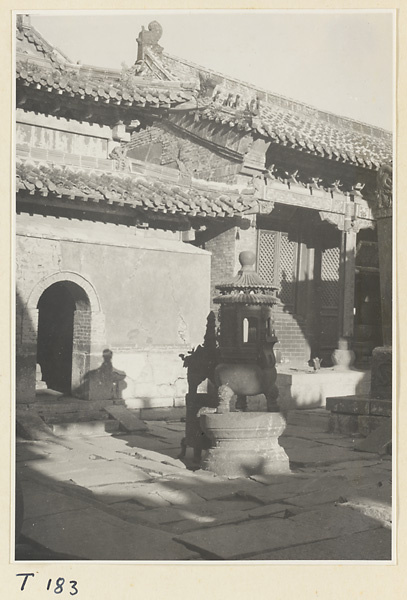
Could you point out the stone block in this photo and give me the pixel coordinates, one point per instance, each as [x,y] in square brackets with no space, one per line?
[347,424]
[349,405]
[382,408]
[367,424]
[381,373]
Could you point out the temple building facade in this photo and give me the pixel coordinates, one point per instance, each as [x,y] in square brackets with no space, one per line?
[136,191]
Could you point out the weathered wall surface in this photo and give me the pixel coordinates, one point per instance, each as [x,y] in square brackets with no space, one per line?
[152,291]
[159,146]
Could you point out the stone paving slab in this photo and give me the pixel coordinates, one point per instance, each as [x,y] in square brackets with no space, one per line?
[321,454]
[94,535]
[193,515]
[216,491]
[146,442]
[267,510]
[379,511]
[355,464]
[108,473]
[180,527]
[163,431]
[156,456]
[134,492]
[289,442]
[254,537]
[43,501]
[300,484]
[292,489]
[334,521]
[366,545]
[231,542]
[336,494]
[32,450]
[169,426]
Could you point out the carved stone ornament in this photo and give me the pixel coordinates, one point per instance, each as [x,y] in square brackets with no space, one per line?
[333,219]
[359,224]
[149,38]
[265,206]
[385,187]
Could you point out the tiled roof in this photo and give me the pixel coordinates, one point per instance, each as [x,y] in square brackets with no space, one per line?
[133,191]
[222,99]
[28,34]
[280,119]
[86,85]
[305,134]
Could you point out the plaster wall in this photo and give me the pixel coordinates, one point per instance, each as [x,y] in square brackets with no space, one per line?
[151,290]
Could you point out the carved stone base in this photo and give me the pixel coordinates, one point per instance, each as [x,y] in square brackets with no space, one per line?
[244,444]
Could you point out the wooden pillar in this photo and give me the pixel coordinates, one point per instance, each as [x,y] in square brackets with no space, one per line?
[385,236]
[347,284]
[383,212]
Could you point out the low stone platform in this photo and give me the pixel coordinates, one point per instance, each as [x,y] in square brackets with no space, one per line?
[299,389]
[357,414]
[57,415]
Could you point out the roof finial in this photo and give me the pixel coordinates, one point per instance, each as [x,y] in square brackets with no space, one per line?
[149,39]
[23,21]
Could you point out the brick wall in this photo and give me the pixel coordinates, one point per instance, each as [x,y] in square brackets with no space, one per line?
[158,146]
[223,259]
[82,330]
[291,330]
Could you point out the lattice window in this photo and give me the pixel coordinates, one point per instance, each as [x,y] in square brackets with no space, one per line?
[277,262]
[266,255]
[287,265]
[330,277]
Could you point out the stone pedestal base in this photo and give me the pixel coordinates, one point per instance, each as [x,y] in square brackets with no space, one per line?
[245,444]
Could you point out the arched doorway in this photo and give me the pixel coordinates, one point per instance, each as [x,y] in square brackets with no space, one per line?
[63,343]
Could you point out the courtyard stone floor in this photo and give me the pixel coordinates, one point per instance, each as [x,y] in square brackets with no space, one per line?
[127,497]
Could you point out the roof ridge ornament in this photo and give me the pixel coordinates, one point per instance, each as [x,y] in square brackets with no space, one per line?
[149,39]
[23,20]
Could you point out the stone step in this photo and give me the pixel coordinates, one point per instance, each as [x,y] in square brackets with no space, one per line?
[85,428]
[31,427]
[71,411]
[128,419]
[75,417]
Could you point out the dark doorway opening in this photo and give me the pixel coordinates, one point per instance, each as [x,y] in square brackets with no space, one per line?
[55,337]
[64,335]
